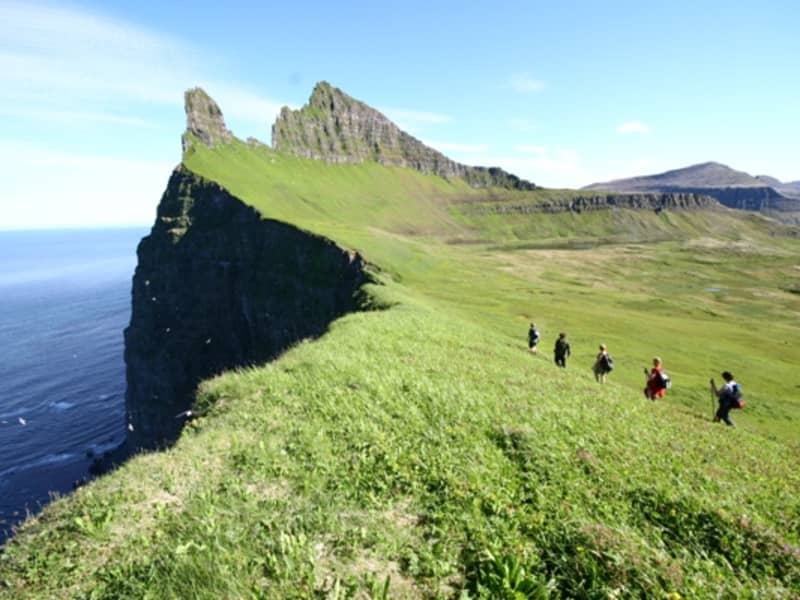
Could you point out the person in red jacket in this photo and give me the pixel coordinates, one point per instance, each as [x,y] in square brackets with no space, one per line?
[656,387]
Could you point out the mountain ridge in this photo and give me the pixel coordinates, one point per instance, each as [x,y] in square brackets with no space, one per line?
[735,189]
[338,128]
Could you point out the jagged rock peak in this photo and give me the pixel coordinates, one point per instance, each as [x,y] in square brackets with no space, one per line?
[337,128]
[204,120]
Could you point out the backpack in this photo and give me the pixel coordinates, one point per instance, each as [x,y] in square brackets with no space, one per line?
[736,397]
[664,382]
[608,363]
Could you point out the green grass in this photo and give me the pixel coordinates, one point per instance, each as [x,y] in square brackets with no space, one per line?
[421,451]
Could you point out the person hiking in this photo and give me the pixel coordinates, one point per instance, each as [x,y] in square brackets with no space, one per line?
[656,380]
[728,395]
[562,350]
[533,337]
[603,364]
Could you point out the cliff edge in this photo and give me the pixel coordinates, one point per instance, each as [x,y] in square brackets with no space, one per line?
[218,287]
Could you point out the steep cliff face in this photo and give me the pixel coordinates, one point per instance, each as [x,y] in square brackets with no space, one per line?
[218,287]
[593,202]
[337,128]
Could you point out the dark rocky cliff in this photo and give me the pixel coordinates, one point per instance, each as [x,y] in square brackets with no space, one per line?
[337,128]
[218,287]
[592,202]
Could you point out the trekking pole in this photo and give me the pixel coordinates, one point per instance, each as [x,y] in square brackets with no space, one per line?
[713,401]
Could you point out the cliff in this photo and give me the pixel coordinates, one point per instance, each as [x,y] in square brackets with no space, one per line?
[580,203]
[218,287]
[337,128]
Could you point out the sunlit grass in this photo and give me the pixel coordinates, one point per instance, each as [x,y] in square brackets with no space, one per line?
[421,451]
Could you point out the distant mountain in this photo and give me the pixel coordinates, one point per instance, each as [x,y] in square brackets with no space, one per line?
[735,189]
[790,189]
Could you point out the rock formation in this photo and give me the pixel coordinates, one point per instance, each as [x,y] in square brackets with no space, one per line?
[218,287]
[337,128]
[592,202]
[204,120]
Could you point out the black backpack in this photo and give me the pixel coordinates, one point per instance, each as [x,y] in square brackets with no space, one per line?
[608,362]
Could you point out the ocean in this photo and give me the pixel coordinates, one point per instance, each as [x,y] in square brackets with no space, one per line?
[64,303]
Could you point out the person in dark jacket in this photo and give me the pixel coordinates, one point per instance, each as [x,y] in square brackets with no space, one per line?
[603,364]
[562,350]
[728,395]
[533,338]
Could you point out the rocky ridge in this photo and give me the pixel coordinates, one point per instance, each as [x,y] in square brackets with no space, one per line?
[204,120]
[337,128]
[593,202]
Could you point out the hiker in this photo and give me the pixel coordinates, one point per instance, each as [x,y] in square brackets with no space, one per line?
[562,350]
[533,337]
[729,396]
[603,364]
[656,380]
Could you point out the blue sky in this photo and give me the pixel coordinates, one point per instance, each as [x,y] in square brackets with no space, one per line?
[561,93]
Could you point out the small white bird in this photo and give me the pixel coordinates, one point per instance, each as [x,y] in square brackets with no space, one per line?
[130,426]
[186,413]
[22,421]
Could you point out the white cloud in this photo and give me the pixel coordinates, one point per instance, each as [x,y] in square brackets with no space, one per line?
[633,127]
[67,66]
[65,117]
[453,147]
[62,60]
[523,82]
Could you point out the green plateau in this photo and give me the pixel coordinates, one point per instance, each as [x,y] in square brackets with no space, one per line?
[418,450]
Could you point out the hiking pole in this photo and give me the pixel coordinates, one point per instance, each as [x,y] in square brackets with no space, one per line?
[713,400]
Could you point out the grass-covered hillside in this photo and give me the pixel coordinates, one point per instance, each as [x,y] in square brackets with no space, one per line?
[418,450]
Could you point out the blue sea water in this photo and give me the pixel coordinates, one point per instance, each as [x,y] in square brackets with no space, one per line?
[64,303]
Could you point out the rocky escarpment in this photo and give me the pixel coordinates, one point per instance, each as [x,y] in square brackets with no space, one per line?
[204,120]
[337,128]
[218,287]
[593,202]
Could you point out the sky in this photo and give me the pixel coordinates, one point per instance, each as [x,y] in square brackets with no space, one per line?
[561,93]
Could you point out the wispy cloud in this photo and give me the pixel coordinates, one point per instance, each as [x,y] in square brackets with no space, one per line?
[403,115]
[633,127]
[67,66]
[55,61]
[65,117]
[525,83]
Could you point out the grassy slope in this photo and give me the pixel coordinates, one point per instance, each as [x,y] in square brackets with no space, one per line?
[421,446]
